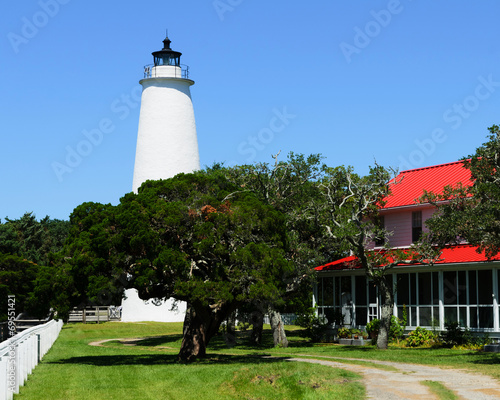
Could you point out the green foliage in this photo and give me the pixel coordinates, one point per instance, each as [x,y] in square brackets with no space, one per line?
[398,325]
[396,330]
[344,333]
[27,248]
[293,187]
[17,277]
[373,326]
[455,336]
[316,326]
[420,337]
[243,326]
[32,239]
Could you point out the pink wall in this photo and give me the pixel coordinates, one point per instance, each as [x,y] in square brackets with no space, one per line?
[399,222]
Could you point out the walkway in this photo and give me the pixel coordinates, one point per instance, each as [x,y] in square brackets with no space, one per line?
[390,385]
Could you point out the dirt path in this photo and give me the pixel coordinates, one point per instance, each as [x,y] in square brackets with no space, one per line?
[389,385]
[403,384]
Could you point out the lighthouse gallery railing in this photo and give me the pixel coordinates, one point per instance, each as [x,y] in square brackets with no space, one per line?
[149,71]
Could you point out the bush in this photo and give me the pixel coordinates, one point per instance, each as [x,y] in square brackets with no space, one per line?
[454,336]
[243,325]
[396,330]
[315,326]
[373,326]
[420,337]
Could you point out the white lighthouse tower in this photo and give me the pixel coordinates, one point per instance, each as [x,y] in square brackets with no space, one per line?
[166,146]
[166,142]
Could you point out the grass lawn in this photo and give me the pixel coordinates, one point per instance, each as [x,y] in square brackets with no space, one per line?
[148,368]
[74,370]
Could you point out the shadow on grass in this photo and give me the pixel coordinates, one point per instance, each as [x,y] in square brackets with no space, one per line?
[159,340]
[164,359]
[485,358]
[223,341]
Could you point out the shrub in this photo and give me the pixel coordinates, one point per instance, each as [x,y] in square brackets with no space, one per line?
[420,337]
[373,326]
[396,330]
[243,325]
[315,326]
[307,318]
[454,336]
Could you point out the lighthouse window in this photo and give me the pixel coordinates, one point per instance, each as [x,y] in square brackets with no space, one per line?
[166,60]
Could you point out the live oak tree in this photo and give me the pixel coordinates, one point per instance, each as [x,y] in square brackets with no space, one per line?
[196,237]
[354,203]
[291,186]
[472,213]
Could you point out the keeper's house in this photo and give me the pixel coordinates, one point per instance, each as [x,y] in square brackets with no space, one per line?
[463,286]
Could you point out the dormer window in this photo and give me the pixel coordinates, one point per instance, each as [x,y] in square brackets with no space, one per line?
[416,226]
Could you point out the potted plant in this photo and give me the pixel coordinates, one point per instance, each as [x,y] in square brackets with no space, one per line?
[373,327]
[343,333]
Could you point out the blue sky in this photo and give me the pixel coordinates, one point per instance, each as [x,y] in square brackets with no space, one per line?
[406,83]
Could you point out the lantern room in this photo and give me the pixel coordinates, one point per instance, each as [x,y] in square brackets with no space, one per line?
[167,56]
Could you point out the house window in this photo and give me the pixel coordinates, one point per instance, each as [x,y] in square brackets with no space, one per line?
[468,298]
[416,225]
[335,299]
[419,293]
[380,222]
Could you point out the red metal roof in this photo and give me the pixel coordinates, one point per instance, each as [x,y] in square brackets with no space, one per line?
[412,183]
[449,255]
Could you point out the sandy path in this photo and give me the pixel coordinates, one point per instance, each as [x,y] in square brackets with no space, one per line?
[388,385]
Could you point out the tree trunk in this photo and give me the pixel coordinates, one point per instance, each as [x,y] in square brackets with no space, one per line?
[194,341]
[201,323]
[257,321]
[279,336]
[387,296]
[230,336]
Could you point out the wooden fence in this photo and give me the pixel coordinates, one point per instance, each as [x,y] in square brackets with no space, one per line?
[95,314]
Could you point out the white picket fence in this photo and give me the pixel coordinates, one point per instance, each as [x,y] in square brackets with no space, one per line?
[20,354]
[287,318]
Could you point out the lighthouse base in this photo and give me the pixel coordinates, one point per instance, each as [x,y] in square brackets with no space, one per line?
[134,309]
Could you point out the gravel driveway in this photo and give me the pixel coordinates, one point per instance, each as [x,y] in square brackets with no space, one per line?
[389,385]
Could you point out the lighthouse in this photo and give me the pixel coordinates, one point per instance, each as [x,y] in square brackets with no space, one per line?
[166,146]
[167,143]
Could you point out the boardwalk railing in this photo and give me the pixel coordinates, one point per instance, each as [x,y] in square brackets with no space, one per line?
[95,314]
[20,354]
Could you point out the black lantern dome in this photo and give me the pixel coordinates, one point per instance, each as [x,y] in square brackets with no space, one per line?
[167,56]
